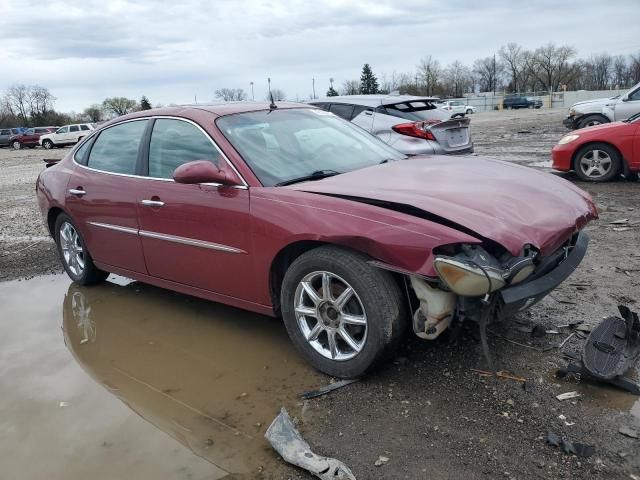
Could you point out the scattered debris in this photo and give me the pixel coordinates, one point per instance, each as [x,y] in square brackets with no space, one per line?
[501,374]
[571,325]
[327,389]
[611,349]
[578,449]
[629,432]
[287,441]
[64,404]
[538,331]
[381,461]
[566,340]
[567,396]
[622,221]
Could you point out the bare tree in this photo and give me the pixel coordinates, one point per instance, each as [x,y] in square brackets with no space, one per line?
[600,70]
[620,75]
[93,113]
[119,105]
[231,94]
[429,73]
[551,66]
[456,79]
[40,103]
[488,72]
[513,57]
[17,100]
[634,68]
[278,95]
[350,87]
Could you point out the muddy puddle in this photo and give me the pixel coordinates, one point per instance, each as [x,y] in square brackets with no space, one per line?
[82,367]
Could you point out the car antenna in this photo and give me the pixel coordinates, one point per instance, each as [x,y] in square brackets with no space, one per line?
[273,105]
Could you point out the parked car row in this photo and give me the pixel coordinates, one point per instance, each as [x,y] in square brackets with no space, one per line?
[47,137]
[293,210]
[412,125]
[516,101]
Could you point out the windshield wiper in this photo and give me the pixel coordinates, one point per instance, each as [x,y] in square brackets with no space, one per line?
[317,175]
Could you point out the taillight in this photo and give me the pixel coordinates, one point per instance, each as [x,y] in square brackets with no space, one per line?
[415,129]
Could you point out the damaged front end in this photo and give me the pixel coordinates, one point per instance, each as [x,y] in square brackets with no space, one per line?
[486,283]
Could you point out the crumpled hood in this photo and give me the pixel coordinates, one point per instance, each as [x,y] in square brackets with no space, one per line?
[500,201]
[590,104]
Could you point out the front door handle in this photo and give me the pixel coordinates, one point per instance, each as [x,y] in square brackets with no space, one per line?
[78,192]
[152,203]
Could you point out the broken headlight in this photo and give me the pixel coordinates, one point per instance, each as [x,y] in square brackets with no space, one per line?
[474,272]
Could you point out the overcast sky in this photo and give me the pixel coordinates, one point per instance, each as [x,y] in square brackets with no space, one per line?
[176,51]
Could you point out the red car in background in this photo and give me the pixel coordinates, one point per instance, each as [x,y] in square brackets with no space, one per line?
[290,210]
[29,138]
[602,152]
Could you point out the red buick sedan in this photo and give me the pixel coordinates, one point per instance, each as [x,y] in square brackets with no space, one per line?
[601,153]
[292,211]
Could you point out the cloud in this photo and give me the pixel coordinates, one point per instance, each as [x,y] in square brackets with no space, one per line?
[175,51]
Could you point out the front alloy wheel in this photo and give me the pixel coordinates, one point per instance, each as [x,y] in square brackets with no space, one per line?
[331,316]
[16,145]
[597,163]
[48,144]
[343,314]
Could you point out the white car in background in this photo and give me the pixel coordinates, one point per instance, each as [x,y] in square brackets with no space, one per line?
[604,110]
[456,108]
[67,135]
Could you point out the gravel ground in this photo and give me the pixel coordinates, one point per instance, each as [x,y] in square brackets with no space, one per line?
[427,412]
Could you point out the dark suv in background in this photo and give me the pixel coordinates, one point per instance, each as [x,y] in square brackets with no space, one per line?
[29,138]
[7,133]
[521,102]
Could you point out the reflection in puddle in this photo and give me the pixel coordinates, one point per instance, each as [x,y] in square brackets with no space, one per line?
[210,376]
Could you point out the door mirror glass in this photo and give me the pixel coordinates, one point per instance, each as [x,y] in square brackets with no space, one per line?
[203,171]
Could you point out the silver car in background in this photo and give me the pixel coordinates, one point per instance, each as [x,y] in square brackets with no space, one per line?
[411,125]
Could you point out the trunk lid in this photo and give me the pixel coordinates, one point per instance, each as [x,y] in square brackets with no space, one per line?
[506,203]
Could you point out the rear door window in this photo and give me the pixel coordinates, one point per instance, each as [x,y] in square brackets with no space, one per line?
[116,149]
[175,142]
[74,128]
[342,110]
[84,127]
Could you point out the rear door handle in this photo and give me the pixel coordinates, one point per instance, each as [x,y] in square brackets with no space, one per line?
[78,192]
[152,203]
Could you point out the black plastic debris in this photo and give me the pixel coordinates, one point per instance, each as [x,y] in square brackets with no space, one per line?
[611,349]
[287,441]
[570,448]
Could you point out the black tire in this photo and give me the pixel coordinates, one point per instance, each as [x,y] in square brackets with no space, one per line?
[16,145]
[591,120]
[469,111]
[89,274]
[375,290]
[611,173]
[48,144]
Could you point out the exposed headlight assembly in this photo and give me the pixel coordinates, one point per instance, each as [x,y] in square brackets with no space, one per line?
[474,272]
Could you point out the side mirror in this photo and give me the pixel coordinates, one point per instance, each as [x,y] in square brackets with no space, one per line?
[203,171]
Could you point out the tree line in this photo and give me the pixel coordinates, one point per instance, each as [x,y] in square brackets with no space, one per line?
[33,106]
[511,69]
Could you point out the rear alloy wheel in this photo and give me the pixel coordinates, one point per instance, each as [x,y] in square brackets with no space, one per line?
[48,144]
[341,313]
[597,162]
[16,145]
[74,255]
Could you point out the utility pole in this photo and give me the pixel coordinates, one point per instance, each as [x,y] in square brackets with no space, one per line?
[253,97]
[494,75]
[269,82]
[313,86]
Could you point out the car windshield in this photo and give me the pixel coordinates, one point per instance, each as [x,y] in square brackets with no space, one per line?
[281,146]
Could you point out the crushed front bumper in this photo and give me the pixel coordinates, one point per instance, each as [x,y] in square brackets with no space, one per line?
[570,122]
[522,296]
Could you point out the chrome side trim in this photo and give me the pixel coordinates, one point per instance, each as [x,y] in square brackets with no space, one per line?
[244,186]
[190,241]
[117,228]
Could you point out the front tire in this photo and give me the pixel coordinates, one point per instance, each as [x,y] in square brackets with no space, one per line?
[597,162]
[16,145]
[48,144]
[592,120]
[469,111]
[73,252]
[344,315]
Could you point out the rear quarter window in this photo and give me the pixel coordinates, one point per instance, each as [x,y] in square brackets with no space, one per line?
[116,149]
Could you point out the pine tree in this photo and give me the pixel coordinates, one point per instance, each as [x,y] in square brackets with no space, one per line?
[368,81]
[145,104]
[332,92]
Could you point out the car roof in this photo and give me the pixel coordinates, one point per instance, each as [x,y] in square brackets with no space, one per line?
[217,109]
[374,100]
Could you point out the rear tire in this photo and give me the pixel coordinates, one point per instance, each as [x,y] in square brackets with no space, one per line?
[591,120]
[597,162]
[74,255]
[48,144]
[366,328]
